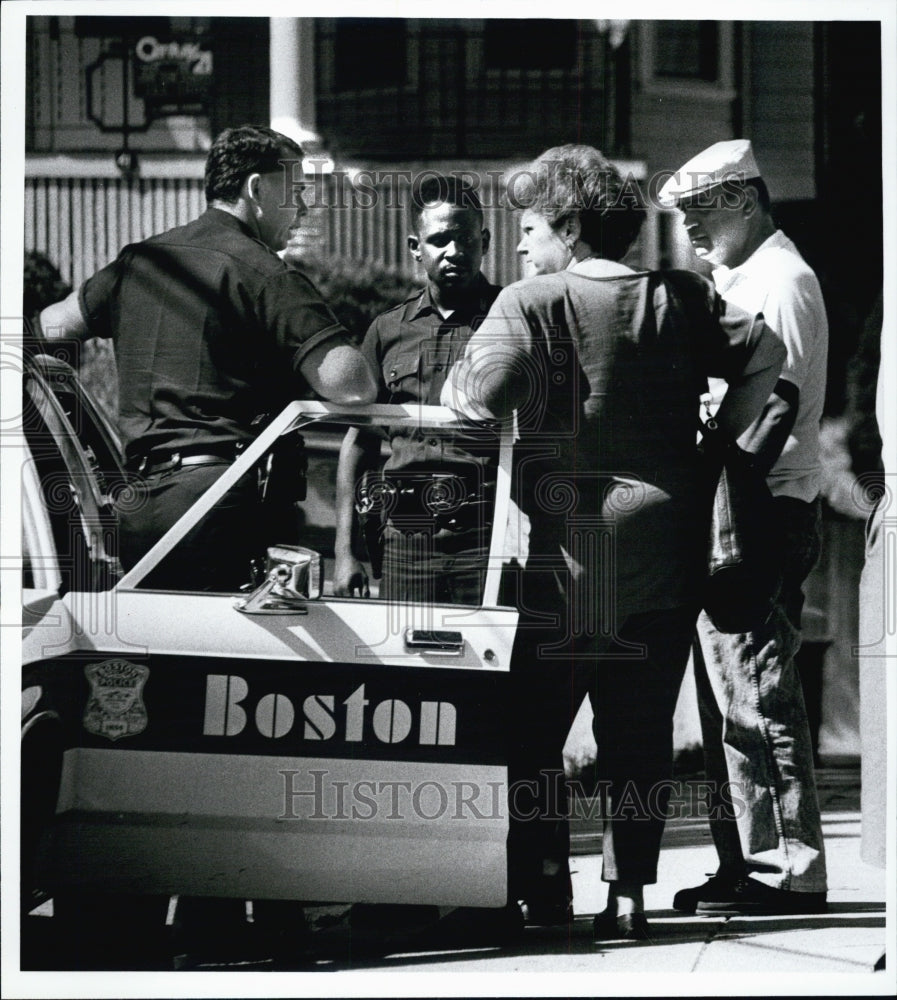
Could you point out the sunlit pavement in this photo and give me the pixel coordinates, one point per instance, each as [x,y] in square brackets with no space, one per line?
[849,938]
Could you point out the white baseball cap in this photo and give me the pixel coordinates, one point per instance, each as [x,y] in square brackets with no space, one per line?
[732,160]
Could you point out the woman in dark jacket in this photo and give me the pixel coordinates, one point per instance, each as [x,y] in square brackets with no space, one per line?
[604,366]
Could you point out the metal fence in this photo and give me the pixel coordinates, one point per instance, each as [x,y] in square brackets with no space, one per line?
[81,223]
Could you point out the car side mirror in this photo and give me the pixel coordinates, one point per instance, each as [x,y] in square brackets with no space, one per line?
[293,576]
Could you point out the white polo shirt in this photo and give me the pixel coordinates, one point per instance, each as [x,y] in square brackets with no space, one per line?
[777,281]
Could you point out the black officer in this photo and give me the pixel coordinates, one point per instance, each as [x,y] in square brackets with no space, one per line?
[435,536]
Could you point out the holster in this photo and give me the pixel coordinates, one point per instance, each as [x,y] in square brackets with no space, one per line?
[371,520]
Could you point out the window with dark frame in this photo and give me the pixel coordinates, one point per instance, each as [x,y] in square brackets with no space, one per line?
[104,26]
[687,50]
[370,53]
[530,44]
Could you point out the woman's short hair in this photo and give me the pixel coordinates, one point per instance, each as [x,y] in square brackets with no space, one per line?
[580,179]
[238,152]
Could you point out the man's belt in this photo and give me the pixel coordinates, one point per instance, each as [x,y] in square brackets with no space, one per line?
[166,461]
[418,501]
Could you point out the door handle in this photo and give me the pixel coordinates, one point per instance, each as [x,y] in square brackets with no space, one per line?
[429,641]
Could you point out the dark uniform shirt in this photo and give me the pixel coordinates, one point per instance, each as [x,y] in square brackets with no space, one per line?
[413,347]
[210,327]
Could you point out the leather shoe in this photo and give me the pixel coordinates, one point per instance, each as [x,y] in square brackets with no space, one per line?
[686,900]
[745,897]
[608,926]
[548,914]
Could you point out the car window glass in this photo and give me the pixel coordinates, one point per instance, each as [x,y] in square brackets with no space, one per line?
[409,517]
[96,437]
[83,530]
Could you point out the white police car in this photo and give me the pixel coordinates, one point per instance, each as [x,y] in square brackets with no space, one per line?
[280,745]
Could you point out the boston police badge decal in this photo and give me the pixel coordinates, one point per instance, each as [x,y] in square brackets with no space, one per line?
[115,707]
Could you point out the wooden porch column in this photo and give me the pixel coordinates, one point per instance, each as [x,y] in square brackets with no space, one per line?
[293,78]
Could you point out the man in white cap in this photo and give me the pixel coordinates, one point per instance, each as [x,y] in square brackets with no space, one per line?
[757,746]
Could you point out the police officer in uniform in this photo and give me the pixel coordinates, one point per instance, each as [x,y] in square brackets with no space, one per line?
[433,504]
[211,328]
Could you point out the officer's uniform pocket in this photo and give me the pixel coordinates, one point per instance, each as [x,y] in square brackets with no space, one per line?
[402,378]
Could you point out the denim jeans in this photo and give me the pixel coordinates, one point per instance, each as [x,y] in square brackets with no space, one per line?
[758,752]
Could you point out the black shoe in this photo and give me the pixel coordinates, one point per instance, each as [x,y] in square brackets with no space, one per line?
[548,900]
[623,927]
[548,914]
[748,897]
[686,900]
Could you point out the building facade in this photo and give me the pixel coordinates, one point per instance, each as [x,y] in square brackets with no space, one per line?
[120,112]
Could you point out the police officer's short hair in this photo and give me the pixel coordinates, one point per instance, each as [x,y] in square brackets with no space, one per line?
[441,189]
[238,152]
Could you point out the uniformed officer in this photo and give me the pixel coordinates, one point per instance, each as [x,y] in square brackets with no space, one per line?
[211,328]
[436,494]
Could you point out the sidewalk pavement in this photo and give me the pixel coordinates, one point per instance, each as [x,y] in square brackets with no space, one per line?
[815,950]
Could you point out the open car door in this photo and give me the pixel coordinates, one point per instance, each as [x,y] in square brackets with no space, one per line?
[286,743]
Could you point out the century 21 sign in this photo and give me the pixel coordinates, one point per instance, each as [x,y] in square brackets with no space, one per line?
[151,50]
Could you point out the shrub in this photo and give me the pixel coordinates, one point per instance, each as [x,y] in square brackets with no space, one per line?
[95,360]
[43,284]
[357,291]
[864,439]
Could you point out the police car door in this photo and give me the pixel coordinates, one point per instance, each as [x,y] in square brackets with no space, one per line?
[270,746]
